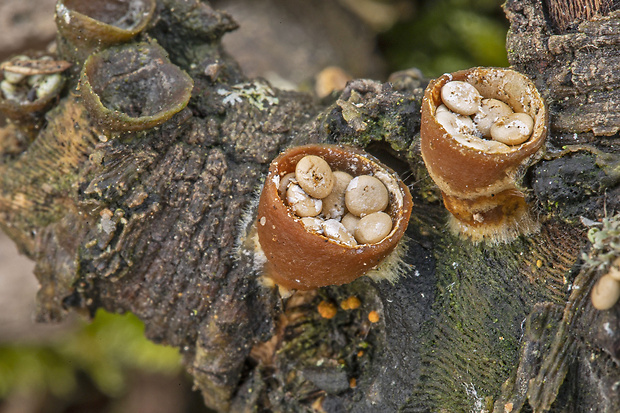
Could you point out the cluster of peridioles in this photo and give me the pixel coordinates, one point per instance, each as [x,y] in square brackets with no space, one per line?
[334,203]
[304,255]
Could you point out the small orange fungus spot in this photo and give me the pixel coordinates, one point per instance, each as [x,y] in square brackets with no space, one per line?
[327,309]
[351,303]
[373,317]
[360,353]
[539,263]
[508,407]
[352,382]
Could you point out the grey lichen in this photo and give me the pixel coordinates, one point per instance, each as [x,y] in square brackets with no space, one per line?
[256,93]
[605,239]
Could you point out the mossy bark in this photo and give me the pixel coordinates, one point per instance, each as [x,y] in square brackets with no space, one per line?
[149,222]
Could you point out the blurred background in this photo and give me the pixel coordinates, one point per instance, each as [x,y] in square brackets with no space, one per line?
[107,365]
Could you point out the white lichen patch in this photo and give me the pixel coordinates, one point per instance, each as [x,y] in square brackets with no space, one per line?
[257,94]
[107,225]
[476,399]
[605,239]
[604,256]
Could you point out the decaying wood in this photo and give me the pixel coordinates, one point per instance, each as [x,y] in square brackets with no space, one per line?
[563,13]
[149,222]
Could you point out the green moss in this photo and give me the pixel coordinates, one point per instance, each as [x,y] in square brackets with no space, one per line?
[449,35]
[476,331]
[106,350]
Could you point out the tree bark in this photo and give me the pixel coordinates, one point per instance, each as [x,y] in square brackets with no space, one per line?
[153,222]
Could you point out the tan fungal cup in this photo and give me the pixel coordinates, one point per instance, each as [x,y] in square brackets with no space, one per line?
[87,26]
[606,291]
[477,175]
[307,252]
[29,85]
[133,87]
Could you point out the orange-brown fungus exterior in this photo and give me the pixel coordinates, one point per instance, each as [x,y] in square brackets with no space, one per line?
[351,303]
[373,317]
[327,310]
[303,260]
[478,177]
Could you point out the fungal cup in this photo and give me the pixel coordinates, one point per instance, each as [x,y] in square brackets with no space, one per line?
[301,257]
[478,177]
[87,26]
[133,87]
[29,86]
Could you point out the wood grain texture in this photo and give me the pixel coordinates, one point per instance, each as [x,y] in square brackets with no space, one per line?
[148,222]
